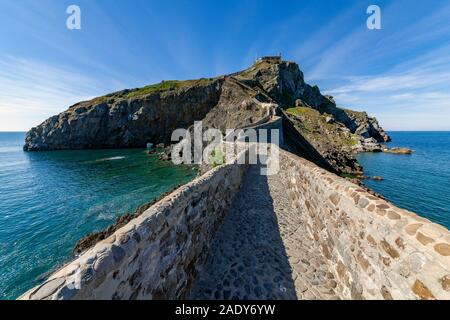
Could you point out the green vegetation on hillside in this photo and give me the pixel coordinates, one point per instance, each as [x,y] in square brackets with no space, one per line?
[356,114]
[167,86]
[250,72]
[321,129]
[298,111]
[162,86]
[331,138]
[311,119]
[217,157]
[351,175]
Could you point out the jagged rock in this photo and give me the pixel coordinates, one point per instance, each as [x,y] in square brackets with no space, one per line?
[397,150]
[282,81]
[126,120]
[133,118]
[334,144]
[329,119]
[165,156]
[299,103]
[367,127]
[329,98]
[369,145]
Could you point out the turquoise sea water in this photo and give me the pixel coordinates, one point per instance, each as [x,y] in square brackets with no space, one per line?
[419,182]
[49,200]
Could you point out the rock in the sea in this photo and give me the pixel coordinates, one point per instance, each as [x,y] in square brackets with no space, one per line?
[377,178]
[368,145]
[397,150]
[359,123]
[371,145]
[165,156]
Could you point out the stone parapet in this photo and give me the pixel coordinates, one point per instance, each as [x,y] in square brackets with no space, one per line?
[374,249]
[158,254]
[371,248]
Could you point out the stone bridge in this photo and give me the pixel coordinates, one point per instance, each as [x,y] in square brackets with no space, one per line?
[304,233]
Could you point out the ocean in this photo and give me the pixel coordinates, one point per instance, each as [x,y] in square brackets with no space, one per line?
[419,182]
[49,200]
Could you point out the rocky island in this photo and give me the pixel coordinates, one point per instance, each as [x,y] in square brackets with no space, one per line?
[135,117]
[232,233]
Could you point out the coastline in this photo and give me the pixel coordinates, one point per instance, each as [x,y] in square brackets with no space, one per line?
[410,181]
[113,266]
[92,239]
[49,200]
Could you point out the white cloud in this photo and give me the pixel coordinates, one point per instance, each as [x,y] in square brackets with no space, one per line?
[387,82]
[405,90]
[415,101]
[414,95]
[31,91]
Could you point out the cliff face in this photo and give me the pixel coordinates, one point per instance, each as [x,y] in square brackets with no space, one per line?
[132,118]
[333,140]
[129,118]
[337,133]
[239,106]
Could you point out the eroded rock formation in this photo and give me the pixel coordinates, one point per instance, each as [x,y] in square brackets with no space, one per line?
[132,118]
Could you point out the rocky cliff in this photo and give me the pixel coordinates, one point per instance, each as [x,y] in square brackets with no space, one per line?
[132,118]
[128,118]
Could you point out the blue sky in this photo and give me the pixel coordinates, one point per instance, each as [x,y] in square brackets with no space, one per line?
[400,74]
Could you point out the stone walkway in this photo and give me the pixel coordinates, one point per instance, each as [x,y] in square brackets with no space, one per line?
[262,250]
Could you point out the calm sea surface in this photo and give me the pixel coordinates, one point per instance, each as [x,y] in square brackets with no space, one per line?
[419,182]
[49,200]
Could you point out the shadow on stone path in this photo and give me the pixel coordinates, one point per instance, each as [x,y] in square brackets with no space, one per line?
[247,258]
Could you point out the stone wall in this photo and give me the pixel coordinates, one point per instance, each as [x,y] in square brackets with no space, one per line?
[158,254]
[269,123]
[373,249]
[274,123]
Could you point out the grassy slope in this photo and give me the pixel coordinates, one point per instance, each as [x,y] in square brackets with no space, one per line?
[314,125]
[163,86]
[332,140]
[167,86]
